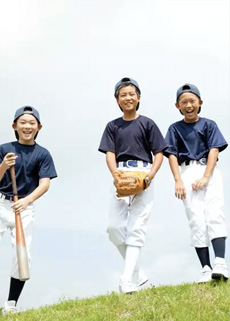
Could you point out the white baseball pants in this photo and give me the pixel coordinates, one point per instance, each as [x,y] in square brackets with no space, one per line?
[204,208]
[7,222]
[128,216]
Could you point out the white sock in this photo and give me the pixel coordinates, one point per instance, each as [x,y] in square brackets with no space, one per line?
[138,265]
[131,259]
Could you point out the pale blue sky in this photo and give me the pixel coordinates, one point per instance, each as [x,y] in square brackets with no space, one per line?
[64,57]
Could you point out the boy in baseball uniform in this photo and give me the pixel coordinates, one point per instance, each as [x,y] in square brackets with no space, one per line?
[34,168]
[194,145]
[129,143]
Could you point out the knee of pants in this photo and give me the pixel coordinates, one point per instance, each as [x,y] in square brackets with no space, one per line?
[199,235]
[116,234]
[200,240]
[136,236]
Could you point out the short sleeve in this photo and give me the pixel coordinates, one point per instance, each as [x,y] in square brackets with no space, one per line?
[46,167]
[172,141]
[157,142]
[215,138]
[107,141]
[2,155]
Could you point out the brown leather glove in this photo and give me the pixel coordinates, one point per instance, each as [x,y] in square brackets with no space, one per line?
[130,182]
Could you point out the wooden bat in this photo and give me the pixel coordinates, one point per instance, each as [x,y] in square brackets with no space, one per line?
[23,265]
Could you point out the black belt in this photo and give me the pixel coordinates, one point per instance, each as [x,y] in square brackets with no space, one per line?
[6,197]
[201,161]
[132,163]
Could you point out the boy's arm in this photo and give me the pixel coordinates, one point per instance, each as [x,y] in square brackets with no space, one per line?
[158,159]
[111,162]
[211,163]
[22,203]
[180,191]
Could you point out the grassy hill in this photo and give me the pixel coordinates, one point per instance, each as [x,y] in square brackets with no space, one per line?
[187,302]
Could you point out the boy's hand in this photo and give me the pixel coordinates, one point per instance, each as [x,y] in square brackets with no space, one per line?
[9,160]
[200,183]
[20,205]
[180,191]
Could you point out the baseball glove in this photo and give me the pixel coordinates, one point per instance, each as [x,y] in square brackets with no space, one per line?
[130,182]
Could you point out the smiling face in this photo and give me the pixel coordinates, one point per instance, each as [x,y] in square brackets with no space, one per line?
[27,127]
[128,99]
[189,105]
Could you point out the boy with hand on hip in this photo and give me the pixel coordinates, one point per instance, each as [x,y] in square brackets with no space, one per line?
[129,143]
[34,168]
[194,145]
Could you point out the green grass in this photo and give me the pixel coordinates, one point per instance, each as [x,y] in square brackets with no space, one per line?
[187,302]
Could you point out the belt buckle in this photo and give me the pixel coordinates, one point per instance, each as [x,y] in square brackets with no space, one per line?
[127,163]
[202,161]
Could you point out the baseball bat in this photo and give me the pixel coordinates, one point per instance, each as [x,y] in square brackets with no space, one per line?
[23,265]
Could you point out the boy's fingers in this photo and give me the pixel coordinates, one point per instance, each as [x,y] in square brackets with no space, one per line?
[178,194]
[194,186]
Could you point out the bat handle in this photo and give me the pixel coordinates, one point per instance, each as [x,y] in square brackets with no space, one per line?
[13,179]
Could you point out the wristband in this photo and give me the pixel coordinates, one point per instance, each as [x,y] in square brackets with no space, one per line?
[147,181]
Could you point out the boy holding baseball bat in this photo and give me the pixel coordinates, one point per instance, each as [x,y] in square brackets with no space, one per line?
[34,168]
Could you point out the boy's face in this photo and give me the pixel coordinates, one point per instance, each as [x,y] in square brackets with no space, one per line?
[128,98]
[27,127]
[189,105]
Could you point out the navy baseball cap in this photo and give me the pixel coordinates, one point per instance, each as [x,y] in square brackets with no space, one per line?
[27,110]
[187,88]
[127,81]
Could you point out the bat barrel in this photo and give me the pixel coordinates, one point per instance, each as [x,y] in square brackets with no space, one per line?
[23,267]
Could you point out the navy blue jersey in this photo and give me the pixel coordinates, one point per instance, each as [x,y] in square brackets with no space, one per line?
[136,139]
[33,162]
[192,141]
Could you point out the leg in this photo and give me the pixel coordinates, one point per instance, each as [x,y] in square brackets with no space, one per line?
[131,258]
[16,287]
[219,247]
[118,216]
[139,212]
[214,209]
[27,222]
[203,255]
[139,276]
[195,206]
[195,210]
[216,223]
[220,270]
[206,273]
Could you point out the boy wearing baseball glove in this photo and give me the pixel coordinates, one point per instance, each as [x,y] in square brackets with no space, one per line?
[194,145]
[129,143]
[34,168]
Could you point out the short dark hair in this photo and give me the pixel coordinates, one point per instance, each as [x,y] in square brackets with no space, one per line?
[126,85]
